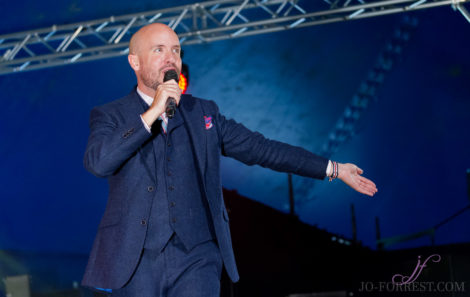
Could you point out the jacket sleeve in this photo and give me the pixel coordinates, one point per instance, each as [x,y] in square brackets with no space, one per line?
[112,141]
[251,148]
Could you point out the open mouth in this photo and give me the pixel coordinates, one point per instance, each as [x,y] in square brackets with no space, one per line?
[166,69]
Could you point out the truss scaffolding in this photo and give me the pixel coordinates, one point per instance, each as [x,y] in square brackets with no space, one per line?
[347,124]
[195,23]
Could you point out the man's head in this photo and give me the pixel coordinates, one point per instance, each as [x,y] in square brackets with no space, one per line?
[153,50]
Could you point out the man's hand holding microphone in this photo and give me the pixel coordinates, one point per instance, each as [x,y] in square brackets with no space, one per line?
[167,97]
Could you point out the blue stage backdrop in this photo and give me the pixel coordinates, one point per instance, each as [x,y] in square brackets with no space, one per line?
[291,86]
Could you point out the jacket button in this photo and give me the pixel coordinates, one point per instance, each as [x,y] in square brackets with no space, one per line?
[171,188]
[150,188]
[172,204]
[169,143]
[169,173]
[143,222]
[173,220]
[168,158]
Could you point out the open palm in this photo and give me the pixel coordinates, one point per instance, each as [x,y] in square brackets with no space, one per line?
[350,174]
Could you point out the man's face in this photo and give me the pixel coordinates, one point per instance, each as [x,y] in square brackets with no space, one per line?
[158,50]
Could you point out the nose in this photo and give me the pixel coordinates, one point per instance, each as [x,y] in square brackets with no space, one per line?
[170,57]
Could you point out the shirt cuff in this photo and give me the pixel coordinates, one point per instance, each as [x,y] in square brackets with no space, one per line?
[150,131]
[329,169]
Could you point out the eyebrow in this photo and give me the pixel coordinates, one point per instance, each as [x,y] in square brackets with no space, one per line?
[163,45]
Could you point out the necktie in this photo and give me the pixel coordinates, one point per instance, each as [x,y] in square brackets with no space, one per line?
[164,119]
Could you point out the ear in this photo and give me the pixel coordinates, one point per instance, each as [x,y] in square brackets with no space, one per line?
[134,62]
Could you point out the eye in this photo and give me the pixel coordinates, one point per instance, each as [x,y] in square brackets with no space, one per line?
[158,50]
[176,51]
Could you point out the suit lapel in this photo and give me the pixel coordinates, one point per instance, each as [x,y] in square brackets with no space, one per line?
[176,121]
[192,114]
[134,104]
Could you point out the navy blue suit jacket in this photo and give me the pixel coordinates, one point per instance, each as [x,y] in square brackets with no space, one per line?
[120,149]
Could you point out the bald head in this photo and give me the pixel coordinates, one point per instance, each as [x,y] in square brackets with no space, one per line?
[142,34]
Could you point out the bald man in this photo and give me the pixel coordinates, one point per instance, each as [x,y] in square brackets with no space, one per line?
[165,230]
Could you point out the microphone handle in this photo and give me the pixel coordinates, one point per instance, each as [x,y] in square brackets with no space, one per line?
[170,107]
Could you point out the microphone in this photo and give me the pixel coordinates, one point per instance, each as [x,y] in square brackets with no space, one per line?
[170,105]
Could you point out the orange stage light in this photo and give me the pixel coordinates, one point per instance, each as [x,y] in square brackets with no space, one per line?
[183,83]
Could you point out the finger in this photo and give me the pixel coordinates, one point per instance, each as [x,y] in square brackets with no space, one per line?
[162,97]
[369,191]
[164,94]
[175,93]
[170,82]
[361,185]
[173,88]
[366,180]
[169,88]
[368,187]
[366,192]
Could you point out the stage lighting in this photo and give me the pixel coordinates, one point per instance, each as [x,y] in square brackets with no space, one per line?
[184,78]
[183,83]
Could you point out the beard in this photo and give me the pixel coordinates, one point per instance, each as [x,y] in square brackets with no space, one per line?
[150,80]
[150,77]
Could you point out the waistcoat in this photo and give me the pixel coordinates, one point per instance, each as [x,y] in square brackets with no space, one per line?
[179,204]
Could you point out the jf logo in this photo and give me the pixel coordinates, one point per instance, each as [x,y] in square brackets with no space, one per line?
[399,279]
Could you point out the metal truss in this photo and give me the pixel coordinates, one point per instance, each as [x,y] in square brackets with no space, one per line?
[195,23]
[348,122]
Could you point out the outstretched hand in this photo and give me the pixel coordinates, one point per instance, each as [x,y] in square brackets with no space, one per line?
[350,174]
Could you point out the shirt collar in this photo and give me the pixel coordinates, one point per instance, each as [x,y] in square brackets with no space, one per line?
[146,98]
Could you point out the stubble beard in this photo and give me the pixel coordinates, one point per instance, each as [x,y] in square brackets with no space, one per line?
[150,80]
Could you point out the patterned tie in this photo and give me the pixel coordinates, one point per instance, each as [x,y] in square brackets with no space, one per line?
[164,120]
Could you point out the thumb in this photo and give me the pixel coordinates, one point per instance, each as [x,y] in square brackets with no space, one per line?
[359,170]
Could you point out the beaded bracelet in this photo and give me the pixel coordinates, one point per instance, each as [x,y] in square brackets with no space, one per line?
[335,171]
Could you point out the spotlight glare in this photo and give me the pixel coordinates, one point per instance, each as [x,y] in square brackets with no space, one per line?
[183,83]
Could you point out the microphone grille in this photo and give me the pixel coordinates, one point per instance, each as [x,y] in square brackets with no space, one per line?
[171,74]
